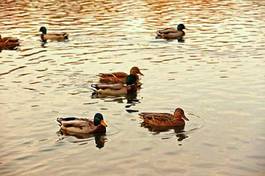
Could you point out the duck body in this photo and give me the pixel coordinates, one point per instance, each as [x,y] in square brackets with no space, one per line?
[119,77]
[164,119]
[116,77]
[52,36]
[82,125]
[8,42]
[117,89]
[171,33]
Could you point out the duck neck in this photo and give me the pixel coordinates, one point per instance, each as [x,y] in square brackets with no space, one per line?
[43,38]
[100,129]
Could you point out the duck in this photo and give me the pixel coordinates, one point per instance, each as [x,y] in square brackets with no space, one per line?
[8,42]
[171,33]
[52,36]
[154,119]
[82,125]
[116,89]
[120,77]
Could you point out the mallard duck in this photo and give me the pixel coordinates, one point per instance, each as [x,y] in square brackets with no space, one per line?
[118,89]
[119,77]
[164,119]
[83,125]
[8,42]
[52,36]
[171,33]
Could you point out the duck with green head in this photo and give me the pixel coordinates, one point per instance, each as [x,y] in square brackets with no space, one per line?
[52,36]
[171,33]
[83,125]
[117,89]
[8,42]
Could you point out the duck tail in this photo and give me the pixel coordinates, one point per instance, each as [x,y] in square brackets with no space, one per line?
[141,116]
[94,86]
[65,35]
[59,120]
[159,35]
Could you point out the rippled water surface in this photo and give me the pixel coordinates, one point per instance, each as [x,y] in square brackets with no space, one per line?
[217,76]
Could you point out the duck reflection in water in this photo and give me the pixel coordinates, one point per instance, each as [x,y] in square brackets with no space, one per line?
[129,95]
[161,122]
[179,130]
[132,100]
[100,138]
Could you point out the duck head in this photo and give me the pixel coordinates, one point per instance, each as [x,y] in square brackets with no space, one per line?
[181,27]
[135,71]
[179,114]
[43,30]
[99,120]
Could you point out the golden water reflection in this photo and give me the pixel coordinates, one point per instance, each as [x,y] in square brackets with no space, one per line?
[217,74]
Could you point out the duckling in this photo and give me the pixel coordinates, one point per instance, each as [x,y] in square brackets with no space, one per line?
[164,119]
[52,36]
[8,42]
[171,33]
[119,77]
[82,125]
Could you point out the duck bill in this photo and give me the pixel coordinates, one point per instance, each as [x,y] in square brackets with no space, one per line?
[185,118]
[103,123]
[141,73]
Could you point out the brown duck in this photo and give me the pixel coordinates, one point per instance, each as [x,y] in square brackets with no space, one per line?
[8,42]
[116,89]
[164,119]
[119,77]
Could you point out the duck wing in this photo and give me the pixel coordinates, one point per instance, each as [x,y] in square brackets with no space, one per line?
[55,36]
[116,77]
[158,119]
[167,30]
[100,93]
[74,122]
[74,125]
[174,35]
[98,86]
[9,39]
[114,74]
[112,79]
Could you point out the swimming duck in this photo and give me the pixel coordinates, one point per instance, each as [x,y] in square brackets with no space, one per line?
[8,42]
[164,119]
[171,33]
[119,77]
[83,125]
[52,36]
[116,89]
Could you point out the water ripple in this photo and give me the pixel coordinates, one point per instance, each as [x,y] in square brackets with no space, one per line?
[218,72]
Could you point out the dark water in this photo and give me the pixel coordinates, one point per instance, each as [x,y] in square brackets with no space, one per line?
[217,76]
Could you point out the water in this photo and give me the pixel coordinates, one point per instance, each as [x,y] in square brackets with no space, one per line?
[217,76]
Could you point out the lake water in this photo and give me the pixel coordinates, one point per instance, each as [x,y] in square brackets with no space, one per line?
[217,76]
